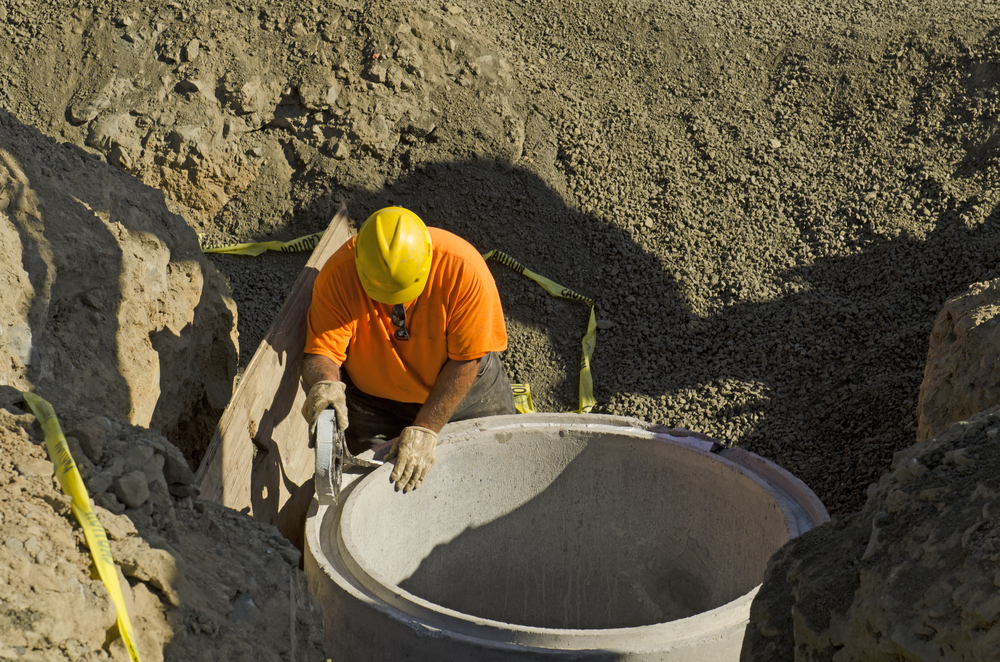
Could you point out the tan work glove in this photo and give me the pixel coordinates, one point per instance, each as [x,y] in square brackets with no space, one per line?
[415,450]
[326,395]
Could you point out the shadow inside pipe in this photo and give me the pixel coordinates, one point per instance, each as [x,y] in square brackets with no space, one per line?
[604,532]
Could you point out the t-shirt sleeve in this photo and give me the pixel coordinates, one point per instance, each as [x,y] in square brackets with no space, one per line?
[475,323]
[330,327]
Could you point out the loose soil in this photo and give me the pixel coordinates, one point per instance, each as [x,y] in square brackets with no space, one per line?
[769,202]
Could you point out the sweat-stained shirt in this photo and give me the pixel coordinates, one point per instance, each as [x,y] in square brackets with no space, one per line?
[457,316]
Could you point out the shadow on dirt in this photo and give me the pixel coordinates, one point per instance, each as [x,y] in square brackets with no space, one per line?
[846,310]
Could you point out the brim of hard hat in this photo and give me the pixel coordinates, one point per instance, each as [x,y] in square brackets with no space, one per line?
[391,298]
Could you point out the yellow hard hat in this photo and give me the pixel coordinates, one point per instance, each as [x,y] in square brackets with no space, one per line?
[393,255]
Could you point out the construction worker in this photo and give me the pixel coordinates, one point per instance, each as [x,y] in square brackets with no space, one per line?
[404,328]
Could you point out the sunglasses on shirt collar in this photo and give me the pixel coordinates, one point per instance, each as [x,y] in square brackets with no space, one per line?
[399,320]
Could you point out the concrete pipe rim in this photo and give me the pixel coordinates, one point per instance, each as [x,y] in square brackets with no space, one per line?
[781,485]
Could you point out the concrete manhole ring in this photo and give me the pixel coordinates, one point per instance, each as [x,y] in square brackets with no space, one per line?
[553,535]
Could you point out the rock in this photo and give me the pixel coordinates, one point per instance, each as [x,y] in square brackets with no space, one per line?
[117,527]
[160,567]
[419,127]
[176,470]
[913,571]
[244,608]
[153,469]
[318,90]
[91,438]
[959,377]
[380,126]
[88,109]
[341,150]
[191,50]
[184,491]
[137,457]
[160,499]
[132,489]
[394,77]
[116,466]
[100,482]
[35,468]
[109,501]
[378,72]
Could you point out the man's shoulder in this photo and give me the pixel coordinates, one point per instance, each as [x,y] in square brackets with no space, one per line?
[342,261]
[451,245]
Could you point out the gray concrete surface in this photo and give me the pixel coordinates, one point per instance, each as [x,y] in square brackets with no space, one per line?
[548,535]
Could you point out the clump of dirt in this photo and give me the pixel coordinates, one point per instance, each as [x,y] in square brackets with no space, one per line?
[198,578]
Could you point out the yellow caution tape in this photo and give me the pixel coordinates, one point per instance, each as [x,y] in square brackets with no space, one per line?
[522,398]
[72,484]
[306,243]
[589,341]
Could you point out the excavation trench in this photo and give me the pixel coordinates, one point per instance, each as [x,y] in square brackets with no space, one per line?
[537,535]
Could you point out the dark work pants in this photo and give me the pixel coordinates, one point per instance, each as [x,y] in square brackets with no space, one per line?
[369,416]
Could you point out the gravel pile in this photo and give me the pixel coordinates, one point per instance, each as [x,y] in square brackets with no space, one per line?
[770,212]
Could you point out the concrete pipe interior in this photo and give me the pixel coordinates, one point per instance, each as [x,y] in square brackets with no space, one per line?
[565,524]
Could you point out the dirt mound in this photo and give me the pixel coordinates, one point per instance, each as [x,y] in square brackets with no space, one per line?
[961,362]
[198,578]
[909,577]
[110,302]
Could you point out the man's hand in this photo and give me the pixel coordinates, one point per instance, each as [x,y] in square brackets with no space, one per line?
[324,395]
[415,450]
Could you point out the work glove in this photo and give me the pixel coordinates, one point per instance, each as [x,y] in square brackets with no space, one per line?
[326,395]
[415,450]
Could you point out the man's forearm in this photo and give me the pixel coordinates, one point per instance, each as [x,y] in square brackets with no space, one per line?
[316,368]
[450,388]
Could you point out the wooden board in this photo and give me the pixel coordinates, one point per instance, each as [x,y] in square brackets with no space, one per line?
[259,461]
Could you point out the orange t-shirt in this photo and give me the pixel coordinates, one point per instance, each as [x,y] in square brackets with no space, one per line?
[457,316]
